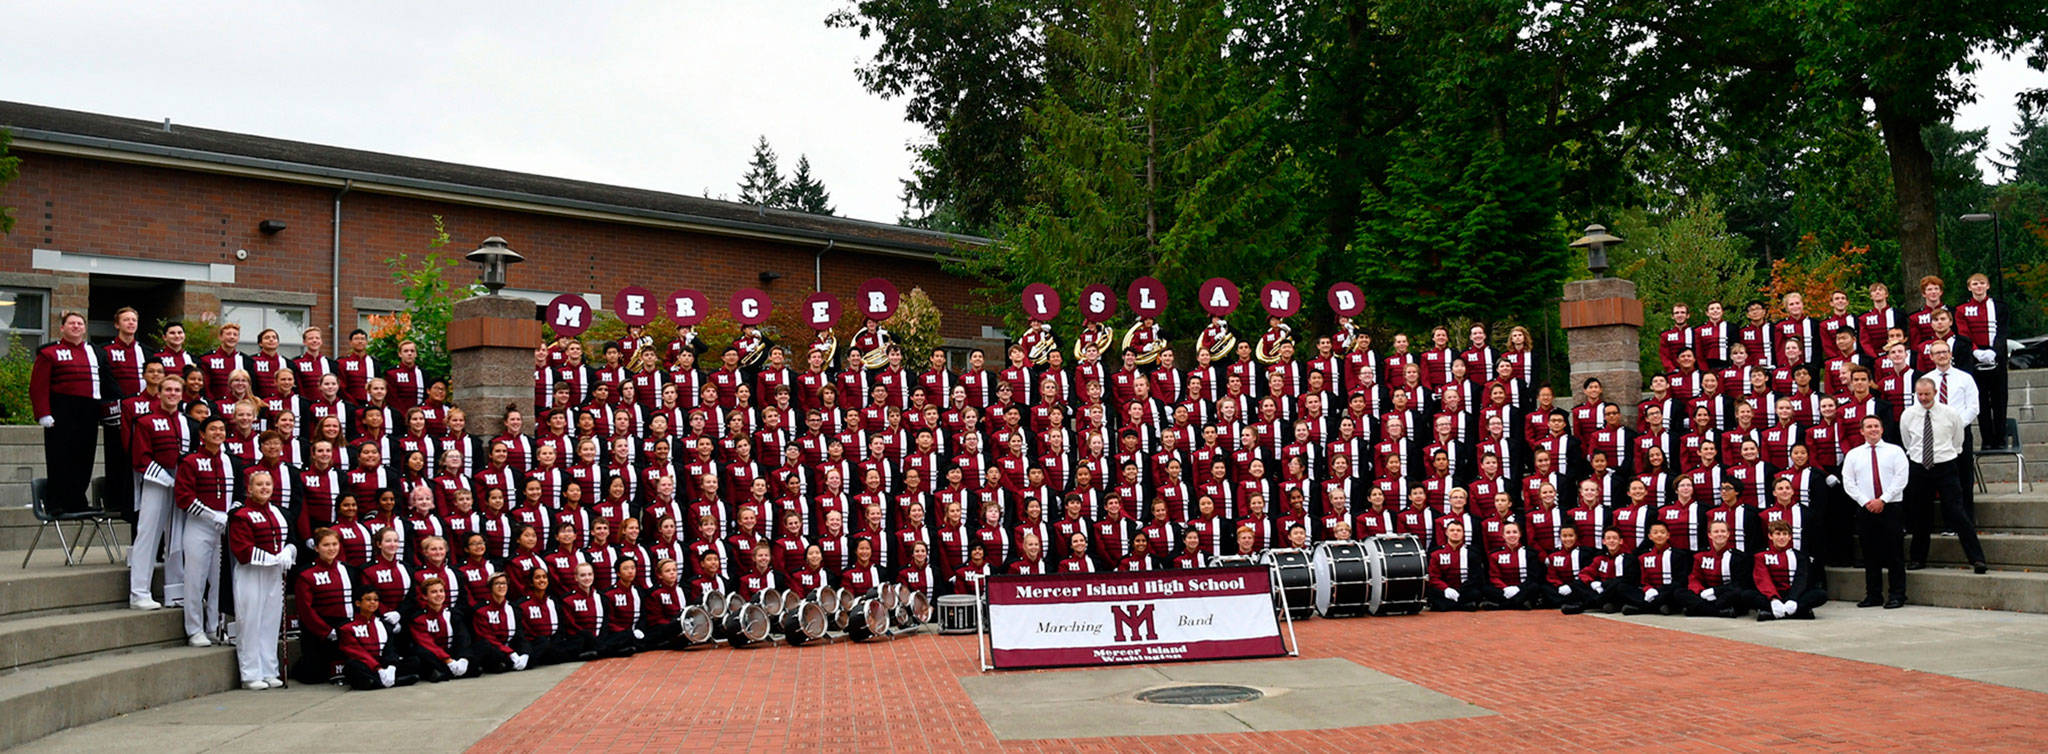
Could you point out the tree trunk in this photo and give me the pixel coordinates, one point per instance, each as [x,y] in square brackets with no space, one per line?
[1913,190]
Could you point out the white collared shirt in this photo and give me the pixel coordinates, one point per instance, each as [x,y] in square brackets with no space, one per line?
[1962,391]
[1948,432]
[1872,466]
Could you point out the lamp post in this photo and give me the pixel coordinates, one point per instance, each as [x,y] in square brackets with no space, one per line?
[494,255]
[1997,248]
[1595,242]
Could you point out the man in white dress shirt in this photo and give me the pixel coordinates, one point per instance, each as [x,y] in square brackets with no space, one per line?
[1954,386]
[1874,476]
[1933,435]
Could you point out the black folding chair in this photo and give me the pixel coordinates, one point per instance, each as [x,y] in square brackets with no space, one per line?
[96,517]
[2012,448]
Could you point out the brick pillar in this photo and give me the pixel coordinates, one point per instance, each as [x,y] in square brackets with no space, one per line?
[490,353]
[1602,320]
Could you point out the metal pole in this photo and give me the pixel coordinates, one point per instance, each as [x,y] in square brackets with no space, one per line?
[1997,257]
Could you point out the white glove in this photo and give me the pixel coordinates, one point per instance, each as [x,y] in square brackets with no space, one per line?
[1707,594]
[158,475]
[391,618]
[261,558]
[459,666]
[388,676]
[1599,587]
[289,555]
[518,661]
[637,635]
[1650,594]
[334,634]
[1781,608]
[218,519]
[47,421]
[1834,481]
[1985,356]
[1564,590]
[1451,594]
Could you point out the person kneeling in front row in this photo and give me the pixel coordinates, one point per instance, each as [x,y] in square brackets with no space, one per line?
[373,656]
[1714,588]
[1456,572]
[1785,586]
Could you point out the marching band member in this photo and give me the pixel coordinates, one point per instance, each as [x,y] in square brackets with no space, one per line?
[259,541]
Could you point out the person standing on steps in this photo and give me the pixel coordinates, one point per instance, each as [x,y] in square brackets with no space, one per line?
[1933,433]
[1875,476]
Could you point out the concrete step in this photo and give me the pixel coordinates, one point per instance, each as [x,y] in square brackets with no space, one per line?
[2019,514]
[2002,550]
[1955,587]
[41,701]
[48,585]
[47,638]
[2020,378]
[18,527]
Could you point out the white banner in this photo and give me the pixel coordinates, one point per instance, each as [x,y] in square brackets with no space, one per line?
[1117,618]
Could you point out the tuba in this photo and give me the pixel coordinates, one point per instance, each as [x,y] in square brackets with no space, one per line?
[876,357]
[753,347]
[1149,353]
[1042,343]
[1268,348]
[1217,340]
[827,344]
[1094,335]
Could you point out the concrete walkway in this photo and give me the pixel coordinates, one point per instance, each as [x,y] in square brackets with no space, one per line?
[1991,646]
[418,718]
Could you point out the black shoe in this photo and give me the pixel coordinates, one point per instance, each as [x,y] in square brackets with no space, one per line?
[1915,566]
[1765,615]
[1631,610]
[1894,603]
[1572,609]
[1730,612]
[1980,567]
[1611,609]
[1870,602]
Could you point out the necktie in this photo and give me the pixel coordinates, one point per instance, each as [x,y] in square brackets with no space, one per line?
[1927,438]
[1876,476]
[1944,386]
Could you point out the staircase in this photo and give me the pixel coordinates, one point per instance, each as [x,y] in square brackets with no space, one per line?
[71,652]
[2011,525]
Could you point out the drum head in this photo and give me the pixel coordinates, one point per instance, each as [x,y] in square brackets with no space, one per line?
[920,609]
[714,603]
[874,612]
[770,600]
[827,599]
[1324,579]
[806,620]
[885,594]
[751,623]
[696,624]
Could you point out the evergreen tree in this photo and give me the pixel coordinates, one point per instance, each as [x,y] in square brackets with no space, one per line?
[805,193]
[763,184]
[2026,161]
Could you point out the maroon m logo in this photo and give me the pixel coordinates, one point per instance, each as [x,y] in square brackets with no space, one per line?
[1134,622]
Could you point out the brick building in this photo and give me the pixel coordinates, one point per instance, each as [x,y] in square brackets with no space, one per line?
[183,222]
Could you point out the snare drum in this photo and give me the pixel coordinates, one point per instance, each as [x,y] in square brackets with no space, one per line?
[1227,561]
[959,614]
[826,597]
[1398,574]
[867,619]
[1342,582]
[1296,581]
[696,625]
[746,625]
[802,622]
[912,610]
[770,600]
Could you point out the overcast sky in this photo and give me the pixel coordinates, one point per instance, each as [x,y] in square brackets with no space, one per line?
[659,95]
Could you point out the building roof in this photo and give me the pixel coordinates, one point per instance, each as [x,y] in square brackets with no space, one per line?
[47,129]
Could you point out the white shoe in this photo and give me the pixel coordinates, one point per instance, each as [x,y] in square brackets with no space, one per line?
[200,640]
[256,685]
[274,683]
[144,604]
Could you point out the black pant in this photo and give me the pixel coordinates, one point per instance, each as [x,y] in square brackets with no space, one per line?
[68,447]
[1638,598]
[1838,536]
[1940,489]
[1993,386]
[1548,596]
[486,658]
[1726,601]
[618,643]
[1879,533]
[317,658]
[1612,595]
[1522,600]
[1468,599]
[364,678]
[1808,600]
[118,494]
[1966,472]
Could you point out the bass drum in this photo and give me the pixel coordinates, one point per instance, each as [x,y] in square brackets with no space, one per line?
[1399,574]
[1342,581]
[1296,581]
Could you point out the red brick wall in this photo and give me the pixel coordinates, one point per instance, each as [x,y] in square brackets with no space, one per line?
[79,205]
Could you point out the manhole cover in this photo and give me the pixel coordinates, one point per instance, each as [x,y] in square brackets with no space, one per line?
[1201,694]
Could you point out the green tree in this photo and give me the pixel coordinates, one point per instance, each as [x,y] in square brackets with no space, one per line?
[804,192]
[10,168]
[1684,256]
[429,295]
[763,184]
[966,71]
[2026,161]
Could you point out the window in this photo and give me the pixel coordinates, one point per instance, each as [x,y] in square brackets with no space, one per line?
[24,317]
[288,321]
[366,320]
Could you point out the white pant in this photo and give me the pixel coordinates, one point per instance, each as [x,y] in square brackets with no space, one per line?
[259,609]
[202,594]
[155,521]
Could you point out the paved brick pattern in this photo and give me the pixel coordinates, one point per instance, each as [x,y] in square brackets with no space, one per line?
[1557,682]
